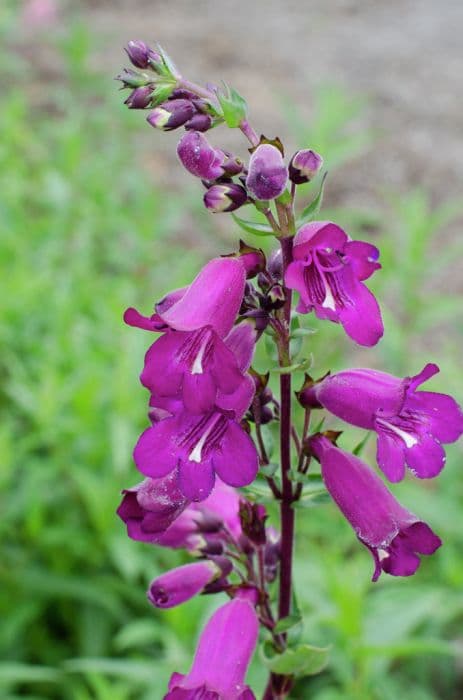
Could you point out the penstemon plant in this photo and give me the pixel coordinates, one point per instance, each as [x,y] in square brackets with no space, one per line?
[208,405]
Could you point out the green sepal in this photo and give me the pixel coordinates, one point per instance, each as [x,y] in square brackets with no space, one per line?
[167,67]
[234,106]
[161,93]
[358,449]
[287,623]
[311,211]
[302,660]
[252,227]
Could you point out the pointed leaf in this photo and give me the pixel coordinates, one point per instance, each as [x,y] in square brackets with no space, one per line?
[311,211]
[253,227]
[303,660]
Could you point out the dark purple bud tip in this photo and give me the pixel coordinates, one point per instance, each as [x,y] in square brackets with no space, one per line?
[267,174]
[253,517]
[141,55]
[171,114]
[307,394]
[232,165]
[226,197]
[304,166]
[139,98]
[199,122]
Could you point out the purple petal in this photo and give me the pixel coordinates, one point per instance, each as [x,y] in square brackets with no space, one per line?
[390,456]
[154,323]
[401,561]
[420,538]
[318,234]
[242,342]
[213,298]
[441,414]
[196,479]
[235,460]
[199,392]
[239,401]
[199,157]
[426,459]
[163,371]
[295,279]
[426,373]
[363,257]
[155,453]
[362,318]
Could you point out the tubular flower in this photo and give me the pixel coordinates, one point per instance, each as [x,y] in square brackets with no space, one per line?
[411,425]
[394,535]
[183,583]
[222,657]
[149,508]
[198,447]
[328,271]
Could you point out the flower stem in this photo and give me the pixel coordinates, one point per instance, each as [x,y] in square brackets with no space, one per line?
[249,132]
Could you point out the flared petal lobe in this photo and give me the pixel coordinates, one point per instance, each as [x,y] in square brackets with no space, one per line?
[223,655]
[327,271]
[394,535]
[411,425]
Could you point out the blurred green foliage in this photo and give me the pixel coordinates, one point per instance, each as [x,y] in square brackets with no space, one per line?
[85,233]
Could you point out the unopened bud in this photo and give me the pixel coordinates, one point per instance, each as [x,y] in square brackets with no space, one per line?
[226,197]
[131,79]
[199,122]
[304,166]
[199,157]
[141,55]
[232,165]
[139,98]
[276,296]
[171,114]
[253,517]
[267,174]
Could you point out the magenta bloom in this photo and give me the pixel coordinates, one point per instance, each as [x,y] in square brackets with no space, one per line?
[394,536]
[149,508]
[328,271]
[183,583]
[199,157]
[200,524]
[222,657]
[268,174]
[198,447]
[411,425]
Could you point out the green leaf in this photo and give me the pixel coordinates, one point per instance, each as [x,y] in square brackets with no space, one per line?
[269,469]
[234,107]
[12,672]
[287,623]
[252,227]
[311,211]
[302,332]
[303,660]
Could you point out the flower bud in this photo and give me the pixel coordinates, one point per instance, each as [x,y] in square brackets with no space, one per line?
[226,197]
[253,517]
[141,55]
[139,98]
[267,174]
[131,79]
[183,583]
[171,114]
[232,164]
[199,157]
[199,122]
[304,166]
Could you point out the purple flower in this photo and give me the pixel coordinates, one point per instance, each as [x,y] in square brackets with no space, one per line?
[411,424]
[267,175]
[149,508]
[199,157]
[141,55]
[183,583]
[198,447]
[225,197]
[217,515]
[222,657]
[304,166]
[393,534]
[328,271]
[171,114]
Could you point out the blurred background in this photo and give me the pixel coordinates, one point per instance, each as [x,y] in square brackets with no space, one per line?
[97,215]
